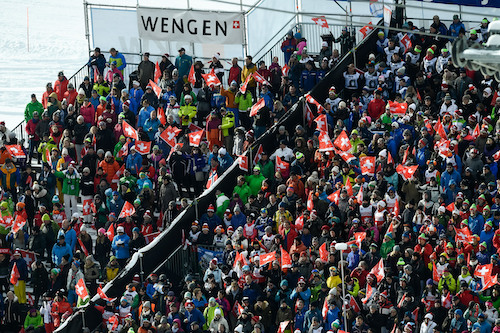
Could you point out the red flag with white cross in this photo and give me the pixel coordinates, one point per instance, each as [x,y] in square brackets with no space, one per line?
[155,87]
[281,166]
[87,208]
[127,210]
[129,131]
[321,21]
[325,144]
[243,162]
[81,289]
[169,135]
[378,270]
[257,106]
[157,72]
[211,79]
[342,142]
[321,123]
[195,138]
[15,151]
[267,258]
[143,147]
[192,76]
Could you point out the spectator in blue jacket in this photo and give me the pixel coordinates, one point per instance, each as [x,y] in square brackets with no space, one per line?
[288,46]
[145,113]
[120,246]
[192,315]
[116,203]
[301,292]
[61,249]
[96,64]
[151,125]
[450,174]
[456,26]
[308,78]
[225,160]
[134,162]
[69,234]
[476,220]
[135,95]
[183,63]
[440,26]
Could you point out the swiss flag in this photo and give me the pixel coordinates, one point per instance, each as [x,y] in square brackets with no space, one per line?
[396,210]
[353,304]
[463,235]
[6,221]
[321,123]
[347,157]
[82,246]
[281,166]
[243,88]
[368,294]
[366,29]
[283,326]
[19,222]
[195,138]
[87,207]
[127,210]
[211,79]
[259,78]
[28,256]
[308,114]
[450,207]
[150,237]
[378,270]
[239,308]
[192,128]
[285,69]
[325,144]
[398,108]
[169,134]
[192,76]
[161,116]
[489,282]
[258,154]
[324,310]
[440,130]
[15,151]
[405,155]
[446,303]
[321,21]
[257,106]
[81,290]
[476,132]
[406,171]
[436,274]
[267,258]
[359,196]
[102,295]
[311,100]
[299,223]
[243,162]
[155,87]
[390,160]
[496,156]
[14,275]
[334,197]
[484,272]
[212,178]
[124,149]
[323,252]
[442,146]
[143,147]
[116,180]
[406,41]
[367,164]
[157,72]
[286,260]
[111,232]
[129,131]
[240,259]
[310,202]
[342,142]
[390,229]
[348,187]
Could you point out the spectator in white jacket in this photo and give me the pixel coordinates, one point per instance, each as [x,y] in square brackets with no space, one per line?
[428,325]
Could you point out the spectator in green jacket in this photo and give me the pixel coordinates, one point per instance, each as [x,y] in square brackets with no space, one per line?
[33,320]
[31,107]
[227,127]
[119,58]
[266,166]
[244,102]
[242,189]
[255,180]
[183,63]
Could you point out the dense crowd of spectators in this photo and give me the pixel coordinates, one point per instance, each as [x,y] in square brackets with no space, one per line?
[421,220]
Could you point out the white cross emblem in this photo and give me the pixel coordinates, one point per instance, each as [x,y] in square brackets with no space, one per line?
[236,24]
[325,140]
[141,146]
[320,123]
[196,137]
[129,131]
[344,142]
[14,150]
[86,207]
[170,136]
[482,271]
[129,211]
[27,258]
[368,164]
[79,289]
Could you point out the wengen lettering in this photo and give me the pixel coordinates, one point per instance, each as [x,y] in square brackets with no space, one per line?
[193,27]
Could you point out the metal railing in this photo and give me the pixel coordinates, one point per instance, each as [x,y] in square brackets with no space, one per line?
[181,262]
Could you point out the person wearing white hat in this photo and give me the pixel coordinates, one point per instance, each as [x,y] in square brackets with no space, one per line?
[325,51]
[428,325]
[217,66]
[120,246]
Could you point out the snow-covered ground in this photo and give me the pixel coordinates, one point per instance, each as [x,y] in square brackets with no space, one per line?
[56,42]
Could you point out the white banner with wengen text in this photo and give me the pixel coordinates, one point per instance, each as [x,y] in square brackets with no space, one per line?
[190,26]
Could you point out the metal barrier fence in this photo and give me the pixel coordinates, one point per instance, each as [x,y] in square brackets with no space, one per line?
[181,262]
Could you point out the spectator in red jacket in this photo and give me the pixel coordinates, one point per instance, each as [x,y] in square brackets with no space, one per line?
[376,106]
[61,86]
[234,72]
[71,94]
